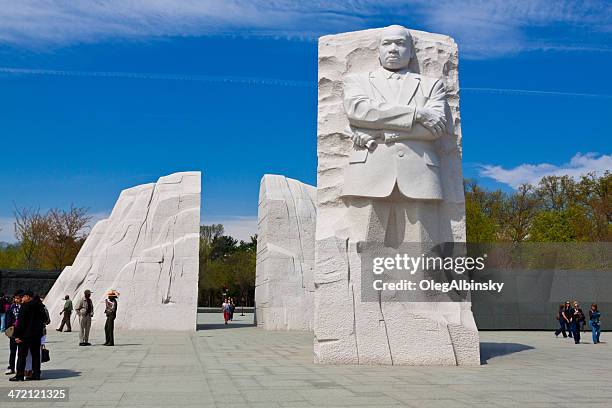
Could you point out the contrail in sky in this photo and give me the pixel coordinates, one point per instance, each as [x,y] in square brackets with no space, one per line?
[259,81]
[155,76]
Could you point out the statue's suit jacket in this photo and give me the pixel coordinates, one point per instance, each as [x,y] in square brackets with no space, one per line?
[405,152]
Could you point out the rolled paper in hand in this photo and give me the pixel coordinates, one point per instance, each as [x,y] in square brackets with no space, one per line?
[371,145]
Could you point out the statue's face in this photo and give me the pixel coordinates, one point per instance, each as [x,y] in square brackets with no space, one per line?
[395,49]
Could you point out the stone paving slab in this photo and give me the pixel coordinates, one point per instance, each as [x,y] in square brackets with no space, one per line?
[239,365]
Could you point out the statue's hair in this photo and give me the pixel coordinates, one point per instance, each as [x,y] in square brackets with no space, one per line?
[396,26]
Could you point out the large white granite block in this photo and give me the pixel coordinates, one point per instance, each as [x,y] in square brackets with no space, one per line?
[389,172]
[148,251]
[285,254]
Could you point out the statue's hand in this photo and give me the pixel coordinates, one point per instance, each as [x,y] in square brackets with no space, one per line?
[360,139]
[433,120]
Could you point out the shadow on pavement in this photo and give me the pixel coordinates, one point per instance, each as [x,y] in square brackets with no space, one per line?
[214,321]
[491,350]
[56,373]
[219,326]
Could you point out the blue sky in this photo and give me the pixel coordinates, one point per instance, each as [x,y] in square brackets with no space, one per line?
[96,97]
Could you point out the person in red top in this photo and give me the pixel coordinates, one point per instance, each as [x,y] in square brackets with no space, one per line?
[226,307]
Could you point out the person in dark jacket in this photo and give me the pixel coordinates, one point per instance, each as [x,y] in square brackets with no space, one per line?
[11,321]
[561,320]
[576,320]
[566,317]
[29,330]
[111,313]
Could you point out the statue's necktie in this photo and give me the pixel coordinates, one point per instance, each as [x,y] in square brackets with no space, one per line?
[396,83]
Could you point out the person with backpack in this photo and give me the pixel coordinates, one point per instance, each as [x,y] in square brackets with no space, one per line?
[594,316]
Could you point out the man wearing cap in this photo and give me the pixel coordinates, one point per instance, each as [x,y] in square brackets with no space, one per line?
[11,322]
[67,311]
[28,332]
[111,314]
[85,311]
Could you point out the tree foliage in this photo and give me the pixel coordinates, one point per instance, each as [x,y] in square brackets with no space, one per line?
[227,266]
[48,240]
[558,209]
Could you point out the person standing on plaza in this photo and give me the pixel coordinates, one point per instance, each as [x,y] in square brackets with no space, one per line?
[576,319]
[232,307]
[28,367]
[561,320]
[226,310]
[567,317]
[28,334]
[67,312]
[4,305]
[11,322]
[111,313]
[594,320]
[85,311]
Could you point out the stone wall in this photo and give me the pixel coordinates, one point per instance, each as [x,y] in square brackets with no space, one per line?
[147,250]
[284,286]
[40,282]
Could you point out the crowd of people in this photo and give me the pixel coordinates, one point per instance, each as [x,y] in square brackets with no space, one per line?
[571,319]
[24,322]
[25,317]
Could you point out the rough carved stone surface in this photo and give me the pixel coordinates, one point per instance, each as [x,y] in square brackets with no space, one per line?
[284,288]
[347,330]
[147,250]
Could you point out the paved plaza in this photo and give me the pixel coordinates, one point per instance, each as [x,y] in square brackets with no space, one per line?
[241,366]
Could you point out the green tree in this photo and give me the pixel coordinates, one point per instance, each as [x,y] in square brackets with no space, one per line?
[552,226]
[517,214]
[225,263]
[480,227]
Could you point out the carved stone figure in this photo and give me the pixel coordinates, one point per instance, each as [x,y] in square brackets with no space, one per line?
[394,116]
[390,174]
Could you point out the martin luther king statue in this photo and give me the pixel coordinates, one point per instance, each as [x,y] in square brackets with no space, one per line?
[395,118]
[399,190]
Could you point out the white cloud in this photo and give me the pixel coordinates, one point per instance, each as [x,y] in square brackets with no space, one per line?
[497,27]
[579,165]
[482,28]
[239,227]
